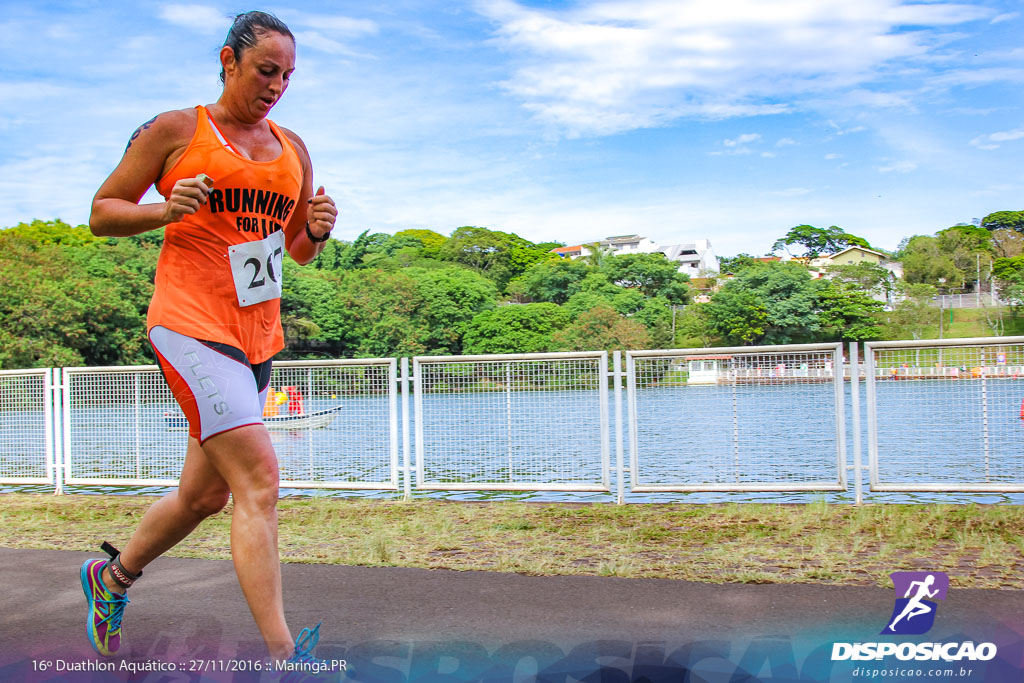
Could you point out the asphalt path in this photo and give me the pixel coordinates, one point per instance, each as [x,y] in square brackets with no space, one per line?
[399,625]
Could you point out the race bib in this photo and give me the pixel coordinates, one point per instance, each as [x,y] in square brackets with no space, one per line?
[256,269]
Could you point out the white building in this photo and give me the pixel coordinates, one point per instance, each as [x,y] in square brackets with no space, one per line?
[695,258]
[630,244]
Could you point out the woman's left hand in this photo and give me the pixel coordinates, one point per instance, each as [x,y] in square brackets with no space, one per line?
[321,213]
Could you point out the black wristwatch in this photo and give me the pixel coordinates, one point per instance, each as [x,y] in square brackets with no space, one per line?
[309,233]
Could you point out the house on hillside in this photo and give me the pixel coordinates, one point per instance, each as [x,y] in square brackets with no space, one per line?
[629,244]
[853,255]
[569,252]
[695,259]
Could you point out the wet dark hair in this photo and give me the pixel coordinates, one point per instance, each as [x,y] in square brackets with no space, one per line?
[247,30]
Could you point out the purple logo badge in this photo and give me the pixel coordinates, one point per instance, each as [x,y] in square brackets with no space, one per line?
[916,593]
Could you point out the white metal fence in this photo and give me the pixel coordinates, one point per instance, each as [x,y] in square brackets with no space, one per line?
[26,427]
[512,422]
[941,416]
[121,425]
[703,419]
[946,415]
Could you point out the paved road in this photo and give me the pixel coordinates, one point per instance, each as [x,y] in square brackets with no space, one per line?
[393,624]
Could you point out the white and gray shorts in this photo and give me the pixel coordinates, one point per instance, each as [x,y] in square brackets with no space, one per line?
[215,385]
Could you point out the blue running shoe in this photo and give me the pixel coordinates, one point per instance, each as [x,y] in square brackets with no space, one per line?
[303,667]
[106,608]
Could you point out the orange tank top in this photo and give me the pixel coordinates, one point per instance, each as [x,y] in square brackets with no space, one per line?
[218,276]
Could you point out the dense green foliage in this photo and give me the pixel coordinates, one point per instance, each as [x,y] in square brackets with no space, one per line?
[75,299]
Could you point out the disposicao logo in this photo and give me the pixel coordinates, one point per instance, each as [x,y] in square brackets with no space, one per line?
[916,593]
[914,614]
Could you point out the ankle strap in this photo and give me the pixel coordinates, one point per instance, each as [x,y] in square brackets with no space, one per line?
[122,576]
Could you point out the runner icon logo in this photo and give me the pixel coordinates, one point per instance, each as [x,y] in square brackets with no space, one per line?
[915,608]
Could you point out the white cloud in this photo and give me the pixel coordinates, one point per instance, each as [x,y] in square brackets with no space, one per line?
[785,142]
[830,157]
[744,139]
[614,65]
[1009,16]
[789,192]
[898,167]
[989,141]
[198,18]
[315,40]
[336,24]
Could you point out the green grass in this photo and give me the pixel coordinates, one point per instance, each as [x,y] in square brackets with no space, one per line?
[975,322]
[978,546]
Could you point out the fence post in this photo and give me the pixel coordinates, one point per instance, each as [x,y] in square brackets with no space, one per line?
[855,399]
[407,478]
[619,465]
[54,425]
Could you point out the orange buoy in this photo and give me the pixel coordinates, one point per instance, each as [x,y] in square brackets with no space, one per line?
[1022,409]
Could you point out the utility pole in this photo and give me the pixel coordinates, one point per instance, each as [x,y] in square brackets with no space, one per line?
[978,288]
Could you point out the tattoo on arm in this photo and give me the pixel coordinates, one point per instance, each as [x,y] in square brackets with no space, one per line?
[138,132]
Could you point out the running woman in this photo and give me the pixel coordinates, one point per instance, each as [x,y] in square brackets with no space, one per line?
[238,192]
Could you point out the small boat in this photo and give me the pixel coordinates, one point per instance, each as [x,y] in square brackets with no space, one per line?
[317,420]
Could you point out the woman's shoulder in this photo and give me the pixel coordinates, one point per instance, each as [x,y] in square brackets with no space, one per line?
[300,146]
[169,129]
[181,121]
[293,137]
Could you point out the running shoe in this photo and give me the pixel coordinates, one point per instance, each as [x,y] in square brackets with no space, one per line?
[303,667]
[106,608]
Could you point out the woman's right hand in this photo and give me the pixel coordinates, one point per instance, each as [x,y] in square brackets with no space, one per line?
[187,195]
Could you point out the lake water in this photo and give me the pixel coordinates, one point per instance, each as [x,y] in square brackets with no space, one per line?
[928,431]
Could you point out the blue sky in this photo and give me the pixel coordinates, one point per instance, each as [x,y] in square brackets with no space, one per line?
[730,120]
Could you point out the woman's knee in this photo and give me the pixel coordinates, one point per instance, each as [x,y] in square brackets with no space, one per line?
[206,503]
[260,493]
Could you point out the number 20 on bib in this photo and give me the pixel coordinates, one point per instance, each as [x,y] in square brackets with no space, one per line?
[256,268]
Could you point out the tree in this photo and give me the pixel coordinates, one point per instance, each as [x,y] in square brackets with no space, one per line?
[867,276]
[430,241]
[924,262]
[450,297]
[1008,220]
[1007,243]
[596,254]
[789,296]
[554,281]
[652,274]
[734,264]
[500,256]
[526,328]
[55,232]
[601,328]
[913,316]
[964,244]
[848,313]
[694,328]
[352,256]
[817,241]
[70,299]
[1009,270]
[737,315]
